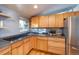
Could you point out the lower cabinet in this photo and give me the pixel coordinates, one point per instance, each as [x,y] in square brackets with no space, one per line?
[27,46]
[56,45]
[23,47]
[6,51]
[20,50]
[17,48]
[14,51]
[33,41]
[42,43]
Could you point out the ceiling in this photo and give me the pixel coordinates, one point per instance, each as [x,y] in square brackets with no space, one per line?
[27,10]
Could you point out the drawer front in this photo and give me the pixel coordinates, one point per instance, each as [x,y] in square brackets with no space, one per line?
[62,40]
[56,50]
[42,38]
[56,44]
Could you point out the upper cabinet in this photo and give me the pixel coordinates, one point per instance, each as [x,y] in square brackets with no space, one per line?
[55,20]
[43,21]
[34,21]
[59,20]
[51,21]
[76,13]
[68,14]
[48,21]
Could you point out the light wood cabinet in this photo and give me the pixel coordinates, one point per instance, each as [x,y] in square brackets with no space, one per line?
[34,22]
[76,13]
[56,45]
[17,48]
[42,43]
[51,21]
[49,44]
[14,51]
[67,14]
[48,21]
[55,20]
[20,50]
[33,41]
[6,51]
[59,20]
[27,45]
[43,21]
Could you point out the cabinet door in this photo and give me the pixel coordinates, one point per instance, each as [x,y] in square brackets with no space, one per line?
[33,41]
[43,21]
[14,51]
[56,45]
[42,44]
[20,50]
[27,46]
[52,21]
[59,20]
[34,22]
[68,14]
[17,48]
[6,51]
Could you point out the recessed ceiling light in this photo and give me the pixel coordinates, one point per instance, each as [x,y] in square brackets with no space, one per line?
[35,6]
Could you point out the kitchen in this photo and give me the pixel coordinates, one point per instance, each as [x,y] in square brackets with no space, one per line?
[30,29]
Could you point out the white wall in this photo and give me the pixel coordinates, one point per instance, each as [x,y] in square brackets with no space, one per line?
[11,24]
[76,8]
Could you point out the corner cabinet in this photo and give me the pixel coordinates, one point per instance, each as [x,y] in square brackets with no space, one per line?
[34,22]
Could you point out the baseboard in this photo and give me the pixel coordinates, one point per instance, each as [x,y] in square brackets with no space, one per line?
[42,51]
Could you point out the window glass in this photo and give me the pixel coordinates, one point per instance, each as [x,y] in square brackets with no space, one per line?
[1,23]
[23,25]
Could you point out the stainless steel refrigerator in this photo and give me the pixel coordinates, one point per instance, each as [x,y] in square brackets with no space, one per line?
[71,31]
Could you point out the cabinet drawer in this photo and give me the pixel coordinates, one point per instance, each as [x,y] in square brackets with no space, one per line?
[42,38]
[16,44]
[33,41]
[56,44]
[61,40]
[56,50]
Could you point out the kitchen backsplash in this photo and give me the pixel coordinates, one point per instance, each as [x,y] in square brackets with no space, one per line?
[52,31]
